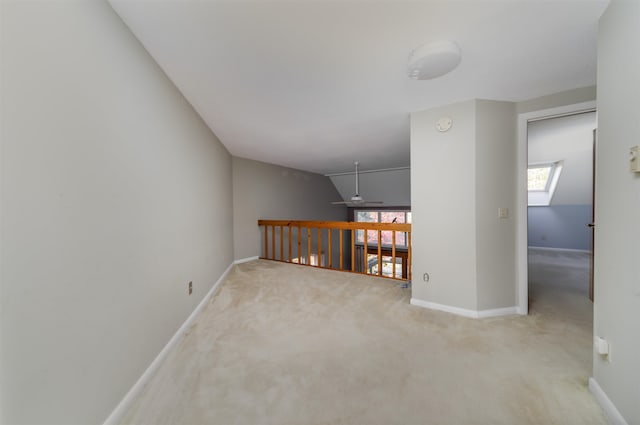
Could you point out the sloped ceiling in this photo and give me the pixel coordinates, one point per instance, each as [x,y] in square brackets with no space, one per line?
[315,85]
[392,187]
[568,139]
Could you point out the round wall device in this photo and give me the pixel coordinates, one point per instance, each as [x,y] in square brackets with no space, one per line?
[444,124]
[433,60]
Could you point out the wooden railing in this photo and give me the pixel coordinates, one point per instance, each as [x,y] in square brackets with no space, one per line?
[314,243]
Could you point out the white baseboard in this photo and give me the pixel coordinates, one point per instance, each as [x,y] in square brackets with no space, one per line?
[474,314]
[121,408]
[546,248]
[505,311]
[607,405]
[245,260]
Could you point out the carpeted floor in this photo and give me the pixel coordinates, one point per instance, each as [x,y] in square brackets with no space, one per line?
[286,344]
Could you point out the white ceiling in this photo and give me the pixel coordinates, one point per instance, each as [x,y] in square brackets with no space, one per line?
[315,85]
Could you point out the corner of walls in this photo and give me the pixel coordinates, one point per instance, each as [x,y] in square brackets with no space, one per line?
[268,191]
[460,245]
[610,409]
[118,413]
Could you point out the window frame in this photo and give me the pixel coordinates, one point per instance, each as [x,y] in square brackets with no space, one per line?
[543,197]
[353,215]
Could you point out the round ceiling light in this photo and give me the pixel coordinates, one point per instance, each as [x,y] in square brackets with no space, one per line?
[433,60]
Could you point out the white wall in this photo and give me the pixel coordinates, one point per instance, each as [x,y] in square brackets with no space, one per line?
[392,187]
[114,195]
[568,97]
[460,179]
[617,281]
[267,191]
[443,201]
[496,169]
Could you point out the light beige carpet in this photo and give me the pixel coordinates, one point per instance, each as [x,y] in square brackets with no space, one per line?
[287,344]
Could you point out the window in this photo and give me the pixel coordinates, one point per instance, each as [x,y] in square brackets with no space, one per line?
[313,260]
[538,176]
[542,179]
[387,265]
[382,216]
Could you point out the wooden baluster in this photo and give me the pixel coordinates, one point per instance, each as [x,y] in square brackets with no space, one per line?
[273,242]
[289,258]
[341,257]
[393,253]
[353,250]
[319,254]
[299,245]
[379,252]
[308,246]
[366,252]
[409,256]
[271,251]
[329,246]
[266,241]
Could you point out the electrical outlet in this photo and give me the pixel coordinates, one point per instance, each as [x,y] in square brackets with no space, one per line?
[190,287]
[425,277]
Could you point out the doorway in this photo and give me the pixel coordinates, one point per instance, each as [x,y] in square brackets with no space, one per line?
[560,209]
[555,199]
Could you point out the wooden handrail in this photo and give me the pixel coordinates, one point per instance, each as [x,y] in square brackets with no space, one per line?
[345,225]
[371,254]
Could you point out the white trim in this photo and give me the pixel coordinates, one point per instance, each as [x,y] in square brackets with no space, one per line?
[522,195]
[246,260]
[474,314]
[442,307]
[542,198]
[607,405]
[546,248]
[505,311]
[116,415]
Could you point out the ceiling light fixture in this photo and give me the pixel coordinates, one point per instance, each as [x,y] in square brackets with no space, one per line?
[433,60]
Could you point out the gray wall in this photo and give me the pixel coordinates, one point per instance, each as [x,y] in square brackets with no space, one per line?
[393,187]
[460,179]
[617,282]
[443,167]
[114,195]
[496,169]
[560,226]
[563,223]
[568,97]
[266,191]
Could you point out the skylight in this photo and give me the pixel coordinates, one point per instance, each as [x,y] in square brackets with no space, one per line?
[542,179]
[538,176]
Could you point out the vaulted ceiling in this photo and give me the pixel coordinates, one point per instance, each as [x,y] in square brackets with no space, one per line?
[315,85]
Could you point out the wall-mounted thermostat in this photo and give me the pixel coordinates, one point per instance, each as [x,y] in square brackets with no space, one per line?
[444,124]
[634,160]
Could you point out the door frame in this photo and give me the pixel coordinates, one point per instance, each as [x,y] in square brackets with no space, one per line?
[522,242]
